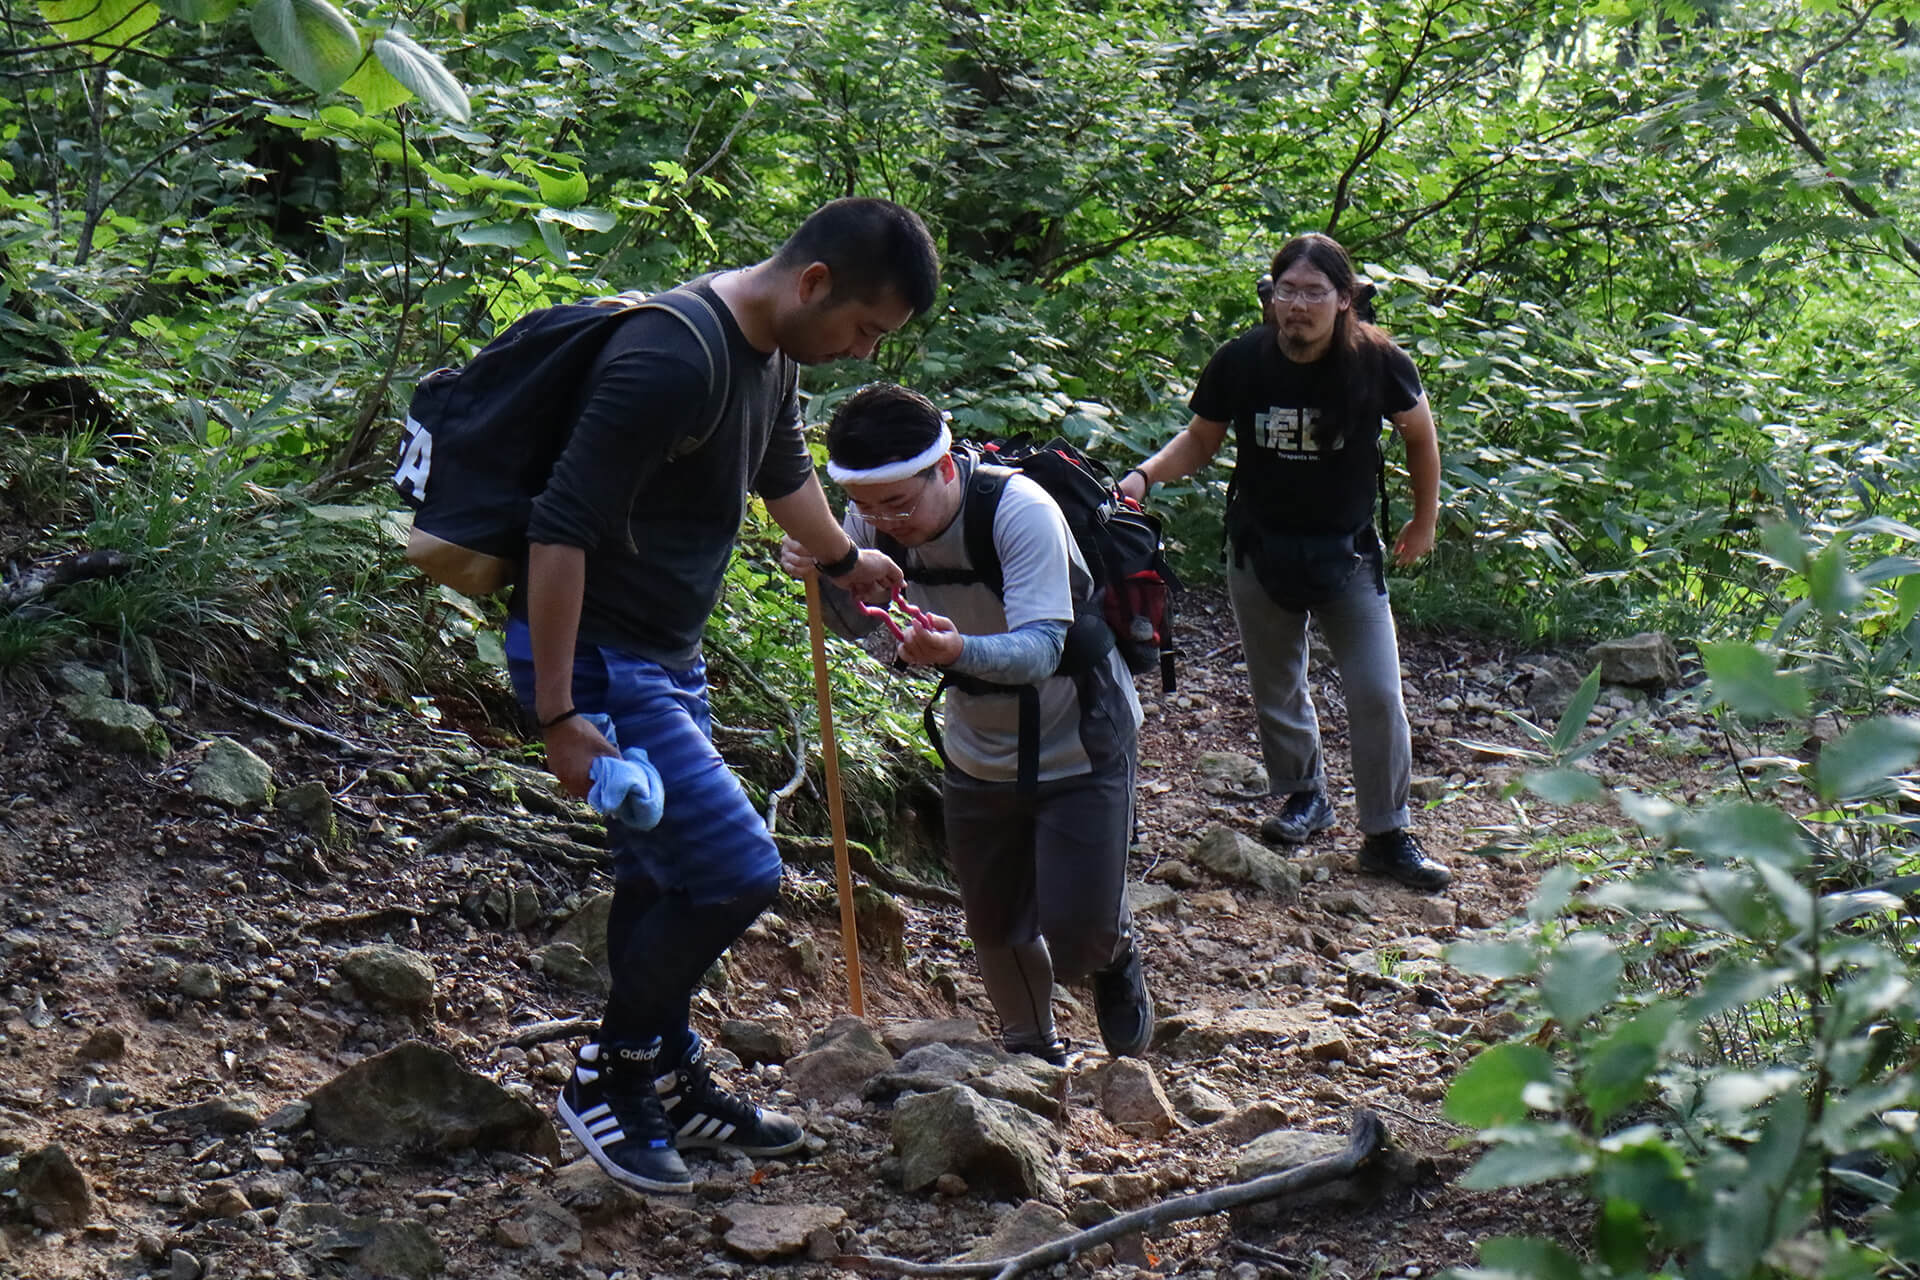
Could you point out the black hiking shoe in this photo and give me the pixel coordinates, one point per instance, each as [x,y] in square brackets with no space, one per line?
[1304,813]
[1122,1006]
[1054,1052]
[1400,856]
[703,1114]
[610,1105]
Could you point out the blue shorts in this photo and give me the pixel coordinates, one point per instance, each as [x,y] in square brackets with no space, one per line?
[711,844]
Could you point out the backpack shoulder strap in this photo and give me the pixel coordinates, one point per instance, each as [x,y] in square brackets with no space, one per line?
[698,315]
[981,509]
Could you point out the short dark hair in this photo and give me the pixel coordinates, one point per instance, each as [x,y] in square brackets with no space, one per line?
[881,423]
[871,247]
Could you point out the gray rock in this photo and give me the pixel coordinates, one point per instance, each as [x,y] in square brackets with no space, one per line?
[199,980]
[1233,856]
[1645,661]
[551,1229]
[183,1266]
[310,805]
[390,976]
[565,963]
[53,1193]
[391,1248]
[763,1232]
[289,1116]
[1282,1149]
[1150,899]
[104,1044]
[994,1145]
[1021,1079]
[838,1063]
[1230,773]
[1425,790]
[226,1115]
[587,930]
[1130,1094]
[80,678]
[231,775]
[1028,1227]
[1550,692]
[882,924]
[1389,1174]
[1249,1122]
[419,1097]
[1198,1034]
[116,725]
[1199,1103]
[902,1038]
[754,1042]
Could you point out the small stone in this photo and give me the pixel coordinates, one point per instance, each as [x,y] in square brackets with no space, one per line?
[950,1184]
[512,1233]
[183,1266]
[104,1044]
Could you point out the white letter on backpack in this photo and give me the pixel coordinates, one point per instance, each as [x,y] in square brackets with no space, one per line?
[416,461]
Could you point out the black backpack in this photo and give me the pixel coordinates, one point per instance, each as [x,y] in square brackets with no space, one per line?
[1131,608]
[482,439]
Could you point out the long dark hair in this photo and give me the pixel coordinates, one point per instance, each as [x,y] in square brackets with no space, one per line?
[1357,348]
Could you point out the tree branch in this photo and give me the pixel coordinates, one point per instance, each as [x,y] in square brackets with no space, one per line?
[1369,1138]
[1848,192]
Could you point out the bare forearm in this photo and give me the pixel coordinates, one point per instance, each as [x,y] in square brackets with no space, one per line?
[805,515]
[556,586]
[1183,455]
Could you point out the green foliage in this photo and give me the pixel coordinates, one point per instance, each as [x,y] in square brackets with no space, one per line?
[1731,1015]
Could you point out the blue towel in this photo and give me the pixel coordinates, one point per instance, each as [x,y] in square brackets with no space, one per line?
[626,787]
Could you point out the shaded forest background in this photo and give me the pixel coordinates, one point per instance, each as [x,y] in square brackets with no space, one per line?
[1659,265]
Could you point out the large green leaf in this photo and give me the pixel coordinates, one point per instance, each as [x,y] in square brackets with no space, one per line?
[1746,832]
[1529,1256]
[1615,1074]
[1528,1156]
[1581,979]
[1574,718]
[1565,786]
[375,87]
[1494,958]
[109,23]
[1864,761]
[1490,1092]
[1746,678]
[423,73]
[314,41]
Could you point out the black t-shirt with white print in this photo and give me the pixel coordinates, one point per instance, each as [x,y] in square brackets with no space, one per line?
[1284,479]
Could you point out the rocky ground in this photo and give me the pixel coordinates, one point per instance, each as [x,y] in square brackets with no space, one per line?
[319,1034]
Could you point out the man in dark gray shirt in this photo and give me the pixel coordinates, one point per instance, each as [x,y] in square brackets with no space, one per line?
[628,546]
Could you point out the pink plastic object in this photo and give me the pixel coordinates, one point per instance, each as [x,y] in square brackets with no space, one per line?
[914,615]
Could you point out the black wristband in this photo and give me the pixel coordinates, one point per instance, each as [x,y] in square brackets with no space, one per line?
[1146,481]
[562,718]
[844,565]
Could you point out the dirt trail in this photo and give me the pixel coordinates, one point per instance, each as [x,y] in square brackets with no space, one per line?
[134,907]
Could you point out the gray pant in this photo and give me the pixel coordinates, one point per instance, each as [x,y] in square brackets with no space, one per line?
[1043,877]
[1358,627]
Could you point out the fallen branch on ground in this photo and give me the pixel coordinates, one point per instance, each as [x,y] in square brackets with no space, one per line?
[817,852]
[64,572]
[568,853]
[559,1029]
[1368,1139]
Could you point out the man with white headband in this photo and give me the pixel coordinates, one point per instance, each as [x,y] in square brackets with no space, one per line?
[1041,868]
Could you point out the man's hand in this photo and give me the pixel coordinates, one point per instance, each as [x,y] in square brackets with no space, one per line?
[571,747]
[933,642]
[1415,540]
[874,579]
[796,560]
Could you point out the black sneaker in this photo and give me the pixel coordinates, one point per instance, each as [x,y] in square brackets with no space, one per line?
[1399,856]
[703,1114]
[1304,813]
[1054,1052]
[1122,1006]
[610,1105]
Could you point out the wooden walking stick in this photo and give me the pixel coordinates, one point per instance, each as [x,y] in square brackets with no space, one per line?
[830,753]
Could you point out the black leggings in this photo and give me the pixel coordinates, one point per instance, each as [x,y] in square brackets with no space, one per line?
[659,945]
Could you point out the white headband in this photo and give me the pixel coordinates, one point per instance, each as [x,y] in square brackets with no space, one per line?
[888,472]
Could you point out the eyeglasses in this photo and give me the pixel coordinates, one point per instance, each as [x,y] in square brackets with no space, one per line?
[1284,293]
[872,516]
